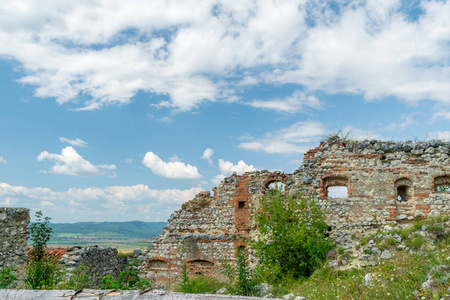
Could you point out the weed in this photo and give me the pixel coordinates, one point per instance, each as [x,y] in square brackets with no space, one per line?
[6,278]
[127,280]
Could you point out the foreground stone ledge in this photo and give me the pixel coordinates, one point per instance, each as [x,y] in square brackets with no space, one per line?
[109,294]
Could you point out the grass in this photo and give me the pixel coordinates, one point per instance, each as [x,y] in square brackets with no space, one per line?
[398,278]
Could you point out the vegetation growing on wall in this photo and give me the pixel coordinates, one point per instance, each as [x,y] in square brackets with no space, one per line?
[292,236]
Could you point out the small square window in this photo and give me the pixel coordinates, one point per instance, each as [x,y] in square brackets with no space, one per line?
[241,204]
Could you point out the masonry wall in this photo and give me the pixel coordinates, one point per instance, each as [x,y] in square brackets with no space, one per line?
[386,183]
[13,236]
[100,262]
[208,228]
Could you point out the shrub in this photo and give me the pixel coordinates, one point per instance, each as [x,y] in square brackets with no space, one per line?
[292,236]
[6,278]
[198,285]
[127,280]
[79,279]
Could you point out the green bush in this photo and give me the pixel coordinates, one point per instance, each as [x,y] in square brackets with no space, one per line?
[197,285]
[78,279]
[127,280]
[292,236]
[6,278]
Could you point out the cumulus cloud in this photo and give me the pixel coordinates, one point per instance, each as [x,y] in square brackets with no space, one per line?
[296,138]
[295,103]
[408,120]
[76,142]
[137,202]
[442,114]
[99,53]
[227,168]
[361,134]
[2,160]
[173,169]
[440,135]
[207,155]
[9,201]
[69,162]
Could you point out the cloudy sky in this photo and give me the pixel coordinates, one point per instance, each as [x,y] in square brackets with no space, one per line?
[122,110]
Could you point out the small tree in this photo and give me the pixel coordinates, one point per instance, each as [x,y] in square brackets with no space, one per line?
[40,235]
[292,236]
[42,272]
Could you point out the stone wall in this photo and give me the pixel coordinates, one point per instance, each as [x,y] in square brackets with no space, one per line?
[208,228]
[100,261]
[387,182]
[13,236]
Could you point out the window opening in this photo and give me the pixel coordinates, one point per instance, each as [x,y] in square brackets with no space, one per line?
[241,204]
[276,185]
[336,187]
[442,184]
[402,193]
[403,189]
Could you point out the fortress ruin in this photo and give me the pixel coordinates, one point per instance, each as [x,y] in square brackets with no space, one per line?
[385,183]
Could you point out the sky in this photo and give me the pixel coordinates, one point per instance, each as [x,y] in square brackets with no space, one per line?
[123,110]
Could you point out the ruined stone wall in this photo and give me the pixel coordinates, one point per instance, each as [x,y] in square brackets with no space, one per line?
[208,228]
[13,236]
[100,262]
[386,183]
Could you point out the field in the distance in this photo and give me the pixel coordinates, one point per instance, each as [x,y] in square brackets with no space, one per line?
[125,236]
[123,245]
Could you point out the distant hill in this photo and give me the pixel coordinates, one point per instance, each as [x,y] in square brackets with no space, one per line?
[108,230]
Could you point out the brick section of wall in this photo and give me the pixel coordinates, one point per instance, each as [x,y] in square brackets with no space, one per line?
[208,229]
[13,236]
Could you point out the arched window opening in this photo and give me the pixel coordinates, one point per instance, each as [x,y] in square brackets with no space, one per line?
[157,264]
[274,186]
[442,184]
[403,188]
[336,187]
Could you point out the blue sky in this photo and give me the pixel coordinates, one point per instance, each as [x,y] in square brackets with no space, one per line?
[118,111]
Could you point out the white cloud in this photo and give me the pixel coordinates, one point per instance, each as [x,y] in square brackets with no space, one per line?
[440,135]
[76,142]
[207,155]
[69,162]
[295,103]
[9,201]
[175,158]
[2,160]
[137,202]
[227,168]
[296,138]
[128,160]
[407,121]
[361,134]
[173,169]
[370,48]
[442,114]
